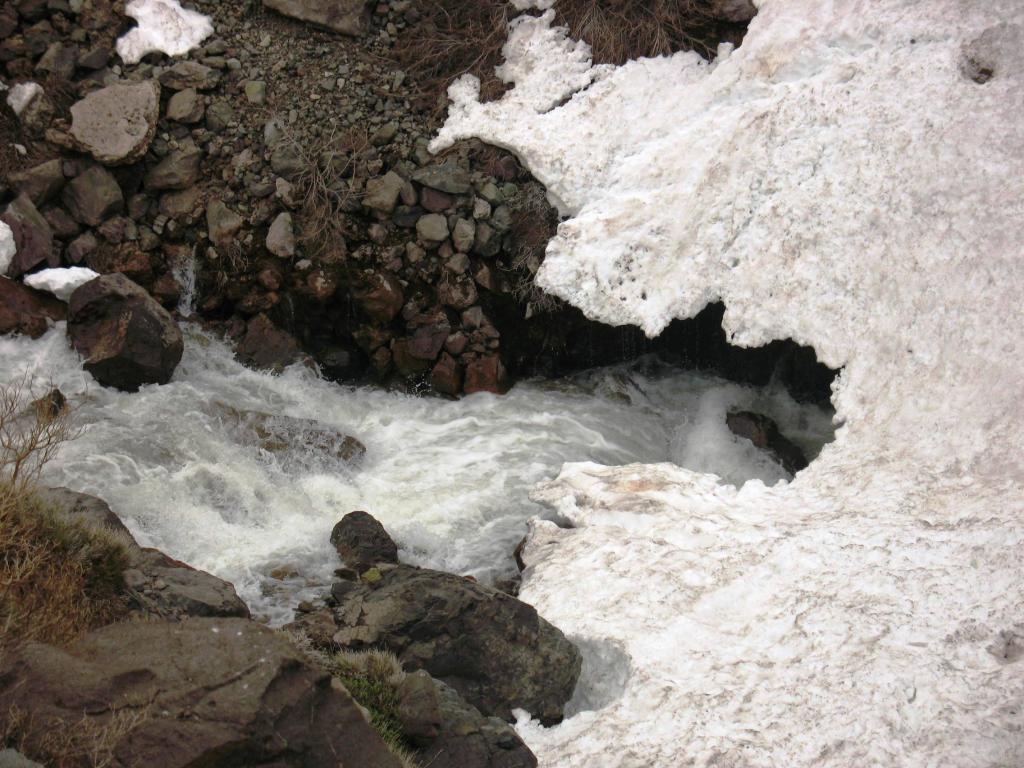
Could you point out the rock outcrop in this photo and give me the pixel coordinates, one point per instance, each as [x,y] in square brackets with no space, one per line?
[224,692]
[125,336]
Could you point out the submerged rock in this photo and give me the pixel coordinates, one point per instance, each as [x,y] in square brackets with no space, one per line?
[224,692]
[125,336]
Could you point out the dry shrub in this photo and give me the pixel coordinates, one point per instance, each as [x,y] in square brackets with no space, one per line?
[533,226]
[87,743]
[459,36]
[58,578]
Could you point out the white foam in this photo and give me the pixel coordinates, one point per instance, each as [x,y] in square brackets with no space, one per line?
[164,27]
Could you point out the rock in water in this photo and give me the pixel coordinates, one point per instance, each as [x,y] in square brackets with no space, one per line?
[362,541]
[347,17]
[27,311]
[491,648]
[125,336]
[224,692]
[764,434]
[116,124]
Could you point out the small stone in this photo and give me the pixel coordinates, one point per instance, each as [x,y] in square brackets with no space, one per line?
[434,201]
[463,235]
[432,228]
[448,178]
[179,170]
[384,135]
[186,107]
[222,224]
[281,237]
[382,193]
[256,91]
[190,74]
[481,209]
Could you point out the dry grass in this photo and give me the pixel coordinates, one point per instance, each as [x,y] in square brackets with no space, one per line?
[533,225]
[87,743]
[459,36]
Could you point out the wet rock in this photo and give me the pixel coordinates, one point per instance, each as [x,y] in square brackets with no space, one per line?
[487,374]
[379,296]
[764,433]
[347,17]
[447,177]
[203,692]
[33,238]
[281,236]
[382,193]
[267,347]
[27,311]
[186,107]
[276,433]
[179,170]
[222,224]
[125,336]
[490,647]
[190,74]
[93,196]
[362,542]
[446,376]
[116,124]
[41,183]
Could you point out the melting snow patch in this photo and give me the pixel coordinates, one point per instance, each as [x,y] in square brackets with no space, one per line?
[60,282]
[8,248]
[164,26]
[839,181]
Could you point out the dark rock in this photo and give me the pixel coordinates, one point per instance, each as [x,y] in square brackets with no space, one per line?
[93,196]
[219,116]
[281,236]
[32,237]
[427,341]
[347,17]
[447,177]
[179,170]
[736,11]
[190,74]
[362,541]
[222,224]
[51,405]
[491,648]
[487,374]
[224,692]
[379,296]
[40,183]
[125,336]
[446,376]
[61,224]
[459,293]
[419,708]
[382,193]
[405,362]
[81,247]
[116,124]
[27,311]
[95,58]
[166,290]
[764,434]
[186,107]
[267,347]
[287,161]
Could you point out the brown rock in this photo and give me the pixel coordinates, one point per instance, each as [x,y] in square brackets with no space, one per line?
[446,377]
[40,183]
[459,293]
[267,347]
[347,17]
[27,311]
[487,374]
[93,196]
[379,296]
[363,542]
[32,237]
[434,201]
[427,341]
[406,363]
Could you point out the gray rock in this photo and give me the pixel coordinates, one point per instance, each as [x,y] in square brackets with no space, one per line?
[384,135]
[116,124]
[222,224]
[347,17]
[190,74]
[10,758]
[186,107]
[491,648]
[448,178]
[432,228]
[487,242]
[463,235]
[33,237]
[125,336]
[256,91]
[362,541]
[219,116]
[41,183]
[224,692]
[382,193]
[287,161]
[93,197]
[179,170]
[281,236]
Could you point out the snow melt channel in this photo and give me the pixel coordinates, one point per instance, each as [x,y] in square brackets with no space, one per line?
[852,177]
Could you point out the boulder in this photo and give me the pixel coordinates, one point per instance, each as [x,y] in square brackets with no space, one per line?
[222,224]
[223,692]
[764,433]
[277,433]
[125,336]
[33,238]
[26,311]
[41,183]
[179,170]
[93,196]
[487,374]
[446,376]
[347,17]
[490,647]
[379,296]
[116,124]
[267,347]
[362,541]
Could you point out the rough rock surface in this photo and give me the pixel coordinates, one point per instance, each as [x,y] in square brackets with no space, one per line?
[125,336]
[116,124]
[33,238]
[267,347]
[27,311]
[362,541]
[93,197]
[764,433]
[223,692]
[347,17]
[496,651]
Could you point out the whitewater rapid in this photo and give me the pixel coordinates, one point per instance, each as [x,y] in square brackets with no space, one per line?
[449,479]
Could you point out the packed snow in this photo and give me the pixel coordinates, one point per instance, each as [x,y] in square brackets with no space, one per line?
[164,27]
[851,177]
[61,282]
[8,248]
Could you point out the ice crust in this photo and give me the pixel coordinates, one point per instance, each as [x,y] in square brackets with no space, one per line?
[843,180]
[61,282]
[165,27]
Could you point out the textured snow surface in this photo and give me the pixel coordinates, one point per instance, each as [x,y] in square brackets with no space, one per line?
[60,282]
[842,180]
[165,27]
[8,249]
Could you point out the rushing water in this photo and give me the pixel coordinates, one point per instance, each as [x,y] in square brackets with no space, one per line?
[450,480]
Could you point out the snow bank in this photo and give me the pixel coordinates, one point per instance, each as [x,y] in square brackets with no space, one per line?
[8,249]
[165,27]
[844,179]
[60,282]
